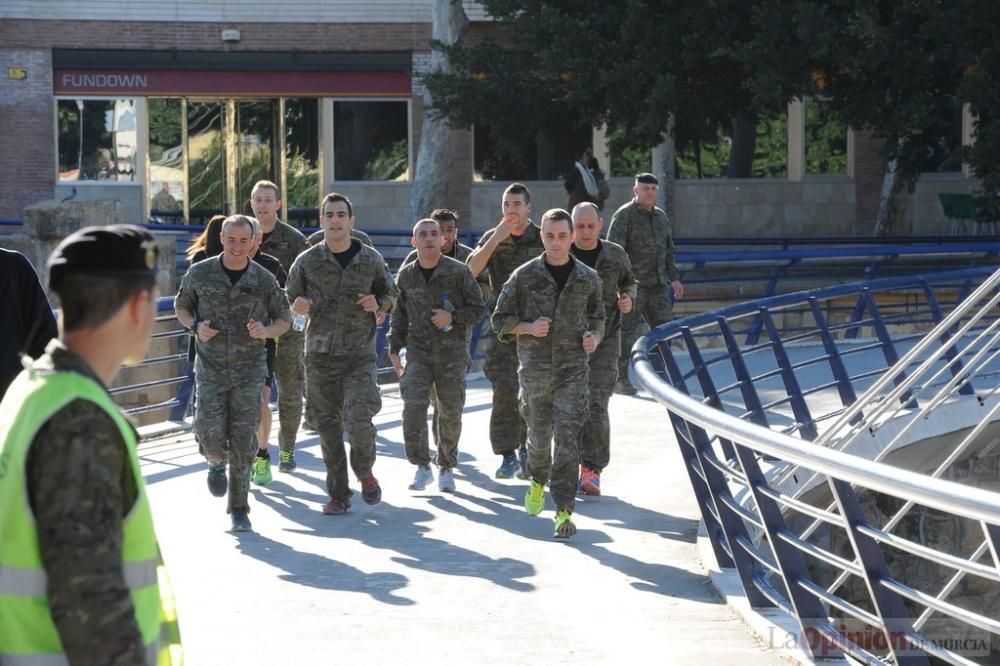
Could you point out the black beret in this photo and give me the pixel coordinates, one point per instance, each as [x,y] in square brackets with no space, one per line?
[647,178]
[118,249]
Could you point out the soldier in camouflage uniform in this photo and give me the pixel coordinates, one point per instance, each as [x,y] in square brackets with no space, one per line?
[285,243]
[644,231]
[74,481]
[619,287]
[316,237]
[439,301]
[513,242]
[450,247]
[551,307]
[232,305]
[342,285]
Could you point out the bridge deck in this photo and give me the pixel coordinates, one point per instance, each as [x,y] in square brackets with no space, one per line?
[459,578]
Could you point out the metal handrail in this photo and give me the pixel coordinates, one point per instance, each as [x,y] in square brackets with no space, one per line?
[940,494]
[720,447]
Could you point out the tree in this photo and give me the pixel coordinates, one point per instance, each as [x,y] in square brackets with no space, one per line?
[437,149]
[891,67]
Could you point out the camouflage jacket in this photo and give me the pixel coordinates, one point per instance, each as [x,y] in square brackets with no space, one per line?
[81,488]
[337,324]
[616,278]
[411,320]
[512,252]
[530,293]
[648,241]
[232,355]
[458,252]
[316,237]
[285,243]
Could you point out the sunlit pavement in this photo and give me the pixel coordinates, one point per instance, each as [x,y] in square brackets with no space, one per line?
[428,577]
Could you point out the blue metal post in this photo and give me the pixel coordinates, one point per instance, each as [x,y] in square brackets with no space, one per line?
[707,384]
[887,345]
[665,364]
[954,363]
[809,612]
[755,410]
[807,428]
[889,606]
[844,386]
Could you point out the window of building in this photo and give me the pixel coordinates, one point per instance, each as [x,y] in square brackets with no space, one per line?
[96,139]
[371,140]
[166,160]
[302,173]
[825,140]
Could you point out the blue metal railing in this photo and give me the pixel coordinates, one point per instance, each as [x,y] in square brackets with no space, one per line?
[799,522]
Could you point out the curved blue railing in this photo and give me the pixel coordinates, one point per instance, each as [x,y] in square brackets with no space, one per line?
[792,445]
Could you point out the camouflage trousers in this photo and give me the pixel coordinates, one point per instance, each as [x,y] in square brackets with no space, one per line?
[442,379]
[595,437]
[507,427]
[342,394]
[225,422]
[653,304]
[554,405]
[289,372]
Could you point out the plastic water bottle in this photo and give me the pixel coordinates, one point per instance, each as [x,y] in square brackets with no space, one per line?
[299,322]
[448,307]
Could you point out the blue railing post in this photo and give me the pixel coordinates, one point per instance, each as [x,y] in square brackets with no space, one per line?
[754,408]
[886,343]
[665,364]
[806,426]
[844,386]
[707,384]
[794,569]
[889,606]
[951,354]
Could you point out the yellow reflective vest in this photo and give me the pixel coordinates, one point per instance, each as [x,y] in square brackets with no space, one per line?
[27,633]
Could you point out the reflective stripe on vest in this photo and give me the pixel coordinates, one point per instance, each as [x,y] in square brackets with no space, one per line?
[27,633]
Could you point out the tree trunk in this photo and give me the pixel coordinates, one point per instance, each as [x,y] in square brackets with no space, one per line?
[886,218]
[744,146]
[437,152]
[665,168]
[545,158]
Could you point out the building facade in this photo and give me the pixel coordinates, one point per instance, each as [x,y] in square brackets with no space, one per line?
[176,107]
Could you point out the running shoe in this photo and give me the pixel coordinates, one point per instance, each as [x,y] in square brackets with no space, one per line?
[371,492]
[286,461]
[590,482]
[564,524]
[423,476]
[262,470]
[507,467]
[534,499]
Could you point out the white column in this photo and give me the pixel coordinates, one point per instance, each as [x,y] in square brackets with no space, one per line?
[851,136]
[142,154]
[968,135]
[325,144]
[602,151]
[796,140]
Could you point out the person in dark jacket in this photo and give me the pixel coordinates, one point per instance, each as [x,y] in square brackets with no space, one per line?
[26,320]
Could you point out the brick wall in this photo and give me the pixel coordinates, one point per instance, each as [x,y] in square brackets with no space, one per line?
[206,36]
[27,160]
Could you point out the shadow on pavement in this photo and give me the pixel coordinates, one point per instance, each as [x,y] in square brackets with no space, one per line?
[320,572]
[399,529]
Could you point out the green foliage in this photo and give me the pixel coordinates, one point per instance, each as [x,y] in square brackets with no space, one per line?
[390,163]
[826,140]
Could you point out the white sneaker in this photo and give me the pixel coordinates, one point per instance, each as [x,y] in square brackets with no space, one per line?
[423,476]
[446,482]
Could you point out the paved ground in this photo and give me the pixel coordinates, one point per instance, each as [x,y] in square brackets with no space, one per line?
[463,578]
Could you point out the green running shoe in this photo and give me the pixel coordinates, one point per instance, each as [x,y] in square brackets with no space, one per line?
[564,525]
[534,499]
[261,471]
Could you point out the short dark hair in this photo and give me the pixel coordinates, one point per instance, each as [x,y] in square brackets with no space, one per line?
[443,214]
[425,220]
[336,196]
[556,214]
[88,300]
[240,221]
[518,188]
